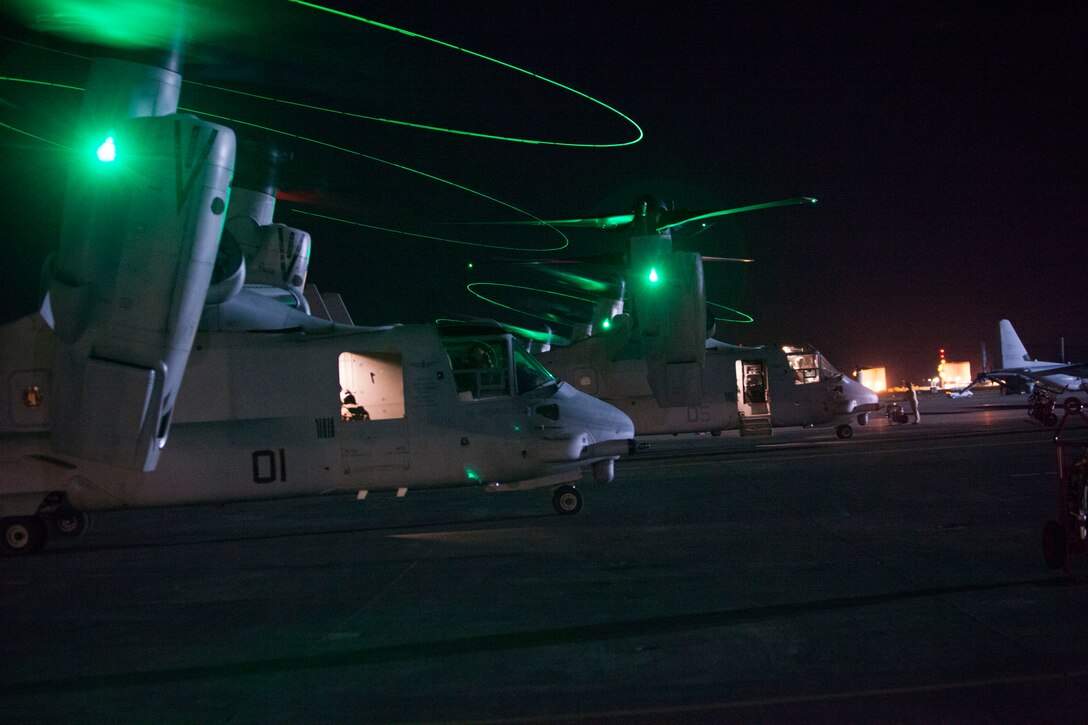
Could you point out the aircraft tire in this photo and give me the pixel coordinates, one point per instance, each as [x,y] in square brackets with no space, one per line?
[844,431]
[68,523]
[22,535]
[567,500]
[1054,549]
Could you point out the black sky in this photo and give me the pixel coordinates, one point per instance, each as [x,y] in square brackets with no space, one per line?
[946,146]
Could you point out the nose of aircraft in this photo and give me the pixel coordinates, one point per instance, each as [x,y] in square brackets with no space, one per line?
[608,430]
[857,397]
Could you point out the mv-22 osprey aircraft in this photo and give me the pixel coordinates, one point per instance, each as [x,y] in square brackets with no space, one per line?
[658,365]
[276,400]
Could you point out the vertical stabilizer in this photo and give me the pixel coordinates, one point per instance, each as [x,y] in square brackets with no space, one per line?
[1013,352]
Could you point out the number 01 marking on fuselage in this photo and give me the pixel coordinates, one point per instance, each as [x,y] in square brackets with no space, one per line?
[265,467]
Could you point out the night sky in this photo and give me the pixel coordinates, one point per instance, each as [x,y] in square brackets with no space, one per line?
[946,146]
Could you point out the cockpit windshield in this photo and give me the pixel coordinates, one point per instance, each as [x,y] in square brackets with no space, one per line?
[528,371]
[805,363]
[808,365]
[481,367]
[492,367]
[827,370]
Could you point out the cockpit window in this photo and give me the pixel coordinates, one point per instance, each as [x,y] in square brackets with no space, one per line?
[529,372]
[805,366]
[827,370]
[481,367]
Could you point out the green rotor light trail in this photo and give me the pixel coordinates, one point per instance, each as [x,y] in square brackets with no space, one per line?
[402,167]
[130,24]
[565,242]
[431,237]
[32,82]
[471,288]
[582,282]
[747,318]
[534,335]
[523,332]
[488,59]
[33,136]
[738,210]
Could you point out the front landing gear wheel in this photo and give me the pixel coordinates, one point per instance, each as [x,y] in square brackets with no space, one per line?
[567,500]
[844,431]
[1054,545]
[21,535]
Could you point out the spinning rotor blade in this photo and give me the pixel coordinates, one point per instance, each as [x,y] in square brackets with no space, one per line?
[671,218]
[604,222]
[678,218]
[727,259]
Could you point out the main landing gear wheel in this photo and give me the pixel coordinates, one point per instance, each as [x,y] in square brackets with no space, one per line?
[567,500]
[68,523]
[21,535]
[844,431]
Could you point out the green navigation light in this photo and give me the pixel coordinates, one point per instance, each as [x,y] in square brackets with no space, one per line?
[653,275]
[471,474]
[606,323]
[107,152]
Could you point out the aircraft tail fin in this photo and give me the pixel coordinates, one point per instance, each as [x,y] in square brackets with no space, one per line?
[317,304]
[327,306]
[338,311]
[1013,352]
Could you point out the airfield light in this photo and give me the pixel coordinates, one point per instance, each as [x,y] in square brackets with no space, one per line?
[107,152]
[653,275]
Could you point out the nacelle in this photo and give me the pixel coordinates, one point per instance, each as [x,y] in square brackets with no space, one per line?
[139,238]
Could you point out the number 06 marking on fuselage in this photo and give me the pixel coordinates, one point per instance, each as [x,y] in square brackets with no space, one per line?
[265,468]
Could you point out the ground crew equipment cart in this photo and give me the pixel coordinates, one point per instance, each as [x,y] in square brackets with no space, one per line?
[1066,537]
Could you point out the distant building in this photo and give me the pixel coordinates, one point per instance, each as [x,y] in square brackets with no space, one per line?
[875,379]
[953,374]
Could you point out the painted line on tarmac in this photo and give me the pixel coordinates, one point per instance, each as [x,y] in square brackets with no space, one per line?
[845,695]
[715,457]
